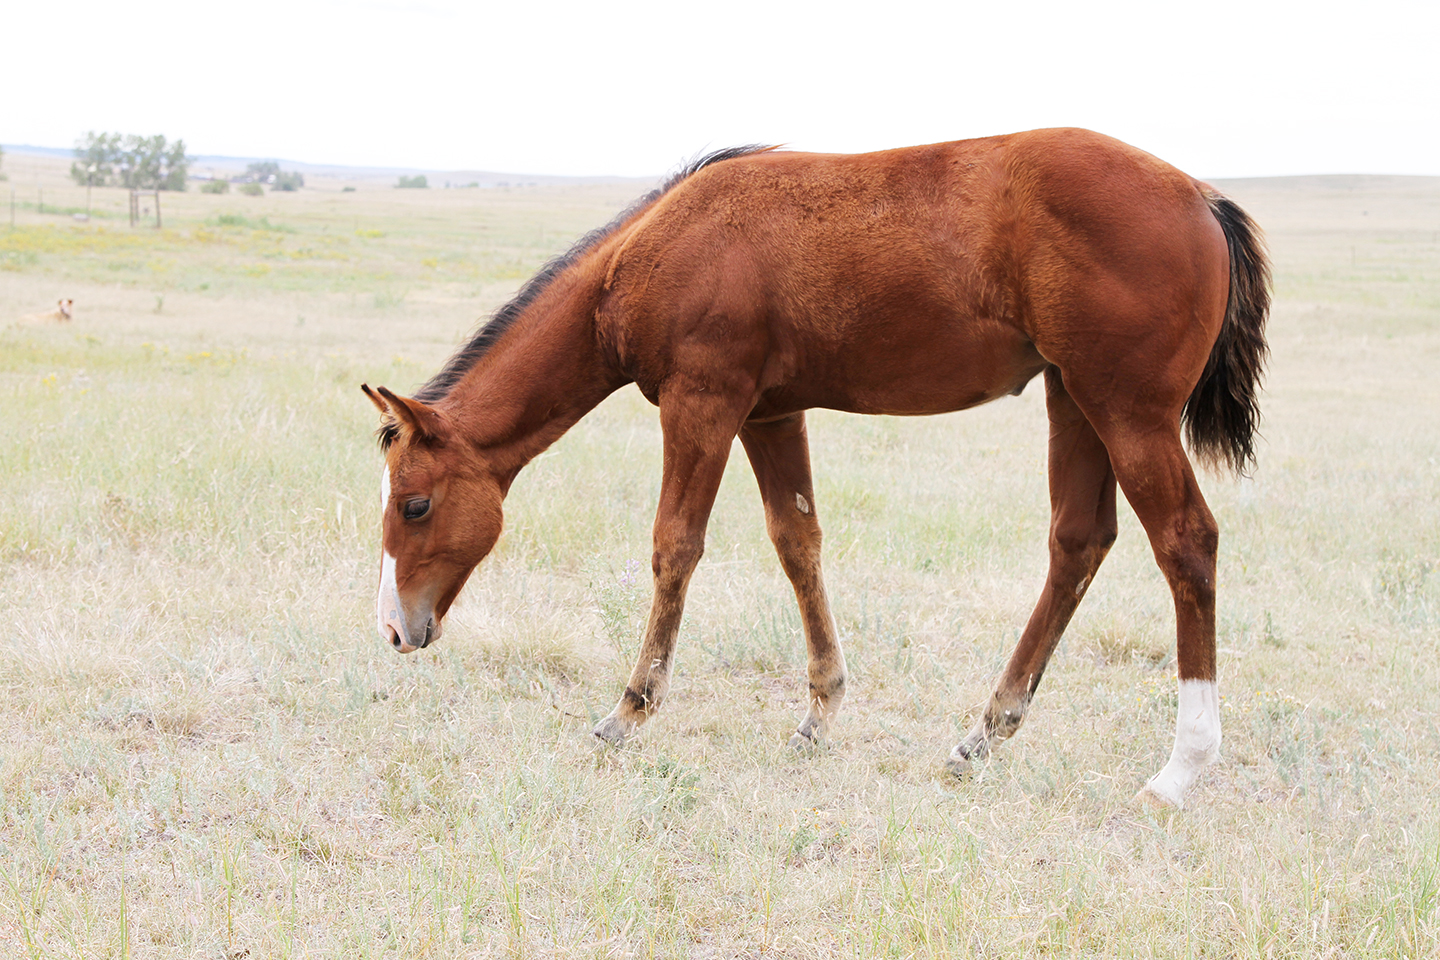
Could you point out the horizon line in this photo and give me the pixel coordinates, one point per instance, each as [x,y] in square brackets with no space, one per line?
[23,149]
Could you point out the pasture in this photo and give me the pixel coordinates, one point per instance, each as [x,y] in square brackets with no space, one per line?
[209,752]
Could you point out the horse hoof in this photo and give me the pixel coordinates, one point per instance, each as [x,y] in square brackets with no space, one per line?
[974,747]
[959,765]
[804,744]
[614,731]
[1151,799]
[961,762]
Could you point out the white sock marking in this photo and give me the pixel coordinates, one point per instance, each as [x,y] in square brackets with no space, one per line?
[1197,740]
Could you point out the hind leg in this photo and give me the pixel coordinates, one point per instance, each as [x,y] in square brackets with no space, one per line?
[1082,529]
[1158,481]
[780,455]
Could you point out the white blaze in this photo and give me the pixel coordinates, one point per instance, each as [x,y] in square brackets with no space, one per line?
[387,601]
[1197,740]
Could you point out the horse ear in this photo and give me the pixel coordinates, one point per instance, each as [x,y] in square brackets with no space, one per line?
[374,398]
[423,421]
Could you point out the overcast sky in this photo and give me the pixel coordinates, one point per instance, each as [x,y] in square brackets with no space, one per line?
[632,87]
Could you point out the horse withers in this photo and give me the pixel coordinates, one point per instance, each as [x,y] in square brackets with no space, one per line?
[758,283]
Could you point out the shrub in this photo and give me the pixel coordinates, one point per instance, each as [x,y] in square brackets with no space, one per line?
[289,182]
[215,186]
[252,190]
[417,182]
[240,220]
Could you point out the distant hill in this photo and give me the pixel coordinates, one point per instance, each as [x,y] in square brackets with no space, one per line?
[204,164]
[25,149]
[1330,181]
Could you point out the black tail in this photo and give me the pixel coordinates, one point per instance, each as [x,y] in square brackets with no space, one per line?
[1224,408]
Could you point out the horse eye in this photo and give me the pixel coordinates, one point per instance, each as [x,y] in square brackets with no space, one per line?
[415,509]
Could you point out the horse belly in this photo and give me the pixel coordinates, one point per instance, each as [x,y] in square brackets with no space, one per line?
[961,366]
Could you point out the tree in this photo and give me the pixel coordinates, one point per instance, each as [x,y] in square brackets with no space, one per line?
[262,171]
[268,171]
[95,156]
[140,163]
[417,182]
[148,164]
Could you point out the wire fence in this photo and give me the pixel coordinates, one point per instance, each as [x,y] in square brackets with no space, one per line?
[26,204]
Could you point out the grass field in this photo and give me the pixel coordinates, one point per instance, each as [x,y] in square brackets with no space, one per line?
[208,752]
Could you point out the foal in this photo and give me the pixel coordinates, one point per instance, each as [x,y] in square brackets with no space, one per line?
[758,283]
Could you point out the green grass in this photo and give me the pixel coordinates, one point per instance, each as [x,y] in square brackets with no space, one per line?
[208,752]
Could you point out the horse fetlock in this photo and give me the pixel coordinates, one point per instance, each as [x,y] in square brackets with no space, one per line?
[618,727]
[1003,716]
[1003,721]
[645,701]
[823,706]
[1000,721]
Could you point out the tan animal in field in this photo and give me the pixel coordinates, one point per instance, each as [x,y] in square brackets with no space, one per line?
[63,313]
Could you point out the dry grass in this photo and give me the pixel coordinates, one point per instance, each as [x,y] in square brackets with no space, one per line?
[207,752]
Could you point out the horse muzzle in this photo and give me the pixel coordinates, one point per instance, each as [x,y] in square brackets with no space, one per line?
[423,638]
[406,633]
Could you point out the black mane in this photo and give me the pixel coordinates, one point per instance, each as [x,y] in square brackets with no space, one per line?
[464,359]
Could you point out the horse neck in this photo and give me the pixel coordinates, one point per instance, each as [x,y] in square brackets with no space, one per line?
[545,373]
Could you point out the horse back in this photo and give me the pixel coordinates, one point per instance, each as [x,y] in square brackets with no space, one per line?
[910,281]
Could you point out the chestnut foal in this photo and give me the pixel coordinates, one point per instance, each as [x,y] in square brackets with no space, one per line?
[759,283]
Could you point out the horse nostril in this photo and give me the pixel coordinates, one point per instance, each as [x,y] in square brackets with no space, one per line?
[394,638]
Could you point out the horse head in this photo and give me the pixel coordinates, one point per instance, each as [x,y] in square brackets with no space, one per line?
[441,515]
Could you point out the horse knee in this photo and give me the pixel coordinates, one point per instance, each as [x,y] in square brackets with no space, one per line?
[676,559]
[1191,577]
[1189,564]
[797,547]
[1207,535]
[1080,547]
